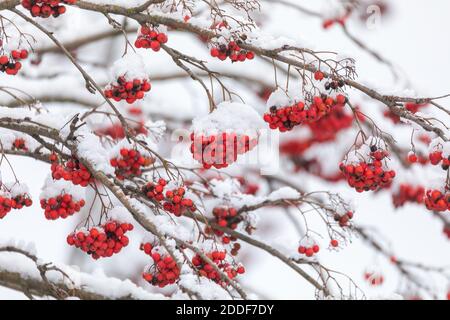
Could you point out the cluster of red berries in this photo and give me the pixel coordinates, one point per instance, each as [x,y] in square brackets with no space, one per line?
[437,158]
[220,150]
[408,193]
[46,8]
[164,270]
[72,170]
[19,144]
[130,91]
[102,241]
[309,251]
[61,206]
[368,176]
[436,200]
[232,51]
[343,219]
[155,191]
[286,118]
[130,163]
[226,217]
[218,257]
[411,107]
[374,278]
[176,203]
[116,131]
[326,128]
[11,65]
[150,38]
[18,202]
[417,158]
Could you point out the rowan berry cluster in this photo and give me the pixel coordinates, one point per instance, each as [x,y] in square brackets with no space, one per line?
[368,175]
[286,118]
[220,150]
[150,37]
[232,51]
[226,217]
[248,187]
[73,170]
[344,219]
[219,259]
[411,107]
[163,271]
[417,158]
[46,8]
[408,193]
[128,90]
[101,241]
[11,65]
[19,144]
[18,201]
[173,200]
[437,200]
[129,163]
[308,247]
[61,206]
[437,158]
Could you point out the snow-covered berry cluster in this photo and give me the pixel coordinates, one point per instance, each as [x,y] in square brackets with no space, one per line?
[176,202]
[308,247]
[150,37]
[287,117]
[438,158]
[72,170]
[220,150]
[46,8]
[19,144]
[101,241]
[365,171]
[437,200]
[61,206]
[219,259]
[130,163]
[13,196]
[232,51]
[173,200]
[226,217]
[164,270]
[128,90]
[408,193]
[11,65]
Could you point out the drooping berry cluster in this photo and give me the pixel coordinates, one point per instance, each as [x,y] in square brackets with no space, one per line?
[61,206]
[343,219]
[175,202]
[128,90]
[13,196]
[155,191]
[226,217]
[46,8]
[73,170]
[437,200]
[286,118]
[308,247]
[219,258]
[408,193]
[130,163]
[220,150]
[163,271]
[11,65]
[368,175]
[232,51]
[19,144]
[5,206]
[101,241]
[437,158]
[21,200]
[150,37]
